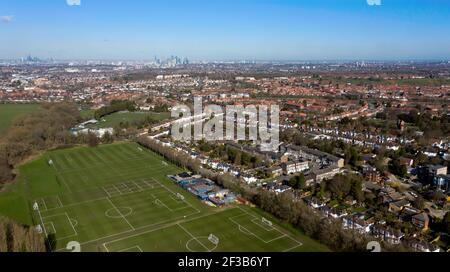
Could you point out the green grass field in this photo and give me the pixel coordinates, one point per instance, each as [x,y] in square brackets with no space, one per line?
[9,112]
[118,198]
[123,117]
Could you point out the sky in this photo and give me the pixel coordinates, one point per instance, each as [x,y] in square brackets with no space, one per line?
[226,29]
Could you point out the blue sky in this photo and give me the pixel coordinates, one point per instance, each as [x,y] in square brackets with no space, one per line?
[226,29]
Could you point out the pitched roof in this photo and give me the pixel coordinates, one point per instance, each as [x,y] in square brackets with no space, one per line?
[421,217]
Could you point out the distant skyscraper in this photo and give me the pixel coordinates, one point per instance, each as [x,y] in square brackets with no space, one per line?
[157,60]
[171,62]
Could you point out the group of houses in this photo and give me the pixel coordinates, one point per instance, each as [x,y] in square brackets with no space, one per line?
[365,223]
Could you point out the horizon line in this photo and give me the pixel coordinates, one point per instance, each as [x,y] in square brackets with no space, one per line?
[248,60]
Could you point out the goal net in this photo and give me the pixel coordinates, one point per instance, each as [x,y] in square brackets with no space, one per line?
[39,229]
[267,222]
[213,239]
[180,196]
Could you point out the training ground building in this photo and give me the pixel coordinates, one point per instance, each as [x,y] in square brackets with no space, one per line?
[205,189]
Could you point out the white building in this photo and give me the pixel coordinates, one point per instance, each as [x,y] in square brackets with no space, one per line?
[295,167]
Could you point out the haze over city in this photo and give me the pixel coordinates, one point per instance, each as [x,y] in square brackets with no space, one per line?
[226,30]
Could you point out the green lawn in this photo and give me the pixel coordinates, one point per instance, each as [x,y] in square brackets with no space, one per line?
[87,113]
[118,198]
[9,112]
[123,117]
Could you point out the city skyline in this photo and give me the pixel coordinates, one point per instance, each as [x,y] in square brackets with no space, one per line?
[220,30]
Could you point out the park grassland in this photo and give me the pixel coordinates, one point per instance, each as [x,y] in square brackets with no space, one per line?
[118,198]
[117,118]
[10,112]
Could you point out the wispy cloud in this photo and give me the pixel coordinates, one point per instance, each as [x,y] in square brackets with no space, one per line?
[6,19]
[374,2]
[73,2]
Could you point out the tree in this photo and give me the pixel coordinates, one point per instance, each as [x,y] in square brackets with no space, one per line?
[246,158]
[356,190]
[351,156]
[18,238]
[419,203]
[237,158]
[255,161]
[293,182]
[92,140]
[438,196]
[446,222]
[5,170]
[298,182]
[344,186]
[379,163]
[301,182]
[38,131]
[107,138]
[161,108]
[50,242]
[339,187]
[397,169]
[115,106]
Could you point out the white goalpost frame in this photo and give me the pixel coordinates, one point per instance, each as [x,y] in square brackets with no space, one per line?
[213,239]
[39,229]
[266,222]
[180,196]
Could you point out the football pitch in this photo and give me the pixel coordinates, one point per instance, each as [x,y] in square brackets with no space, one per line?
[117,198]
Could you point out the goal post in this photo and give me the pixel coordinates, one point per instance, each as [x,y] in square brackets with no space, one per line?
[266,222]
[213,239]
[39,229]
[180,196]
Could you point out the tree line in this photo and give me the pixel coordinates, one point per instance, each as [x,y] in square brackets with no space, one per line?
[18,238]
[115,106]
[284,206]
[36,132]
[230,154]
